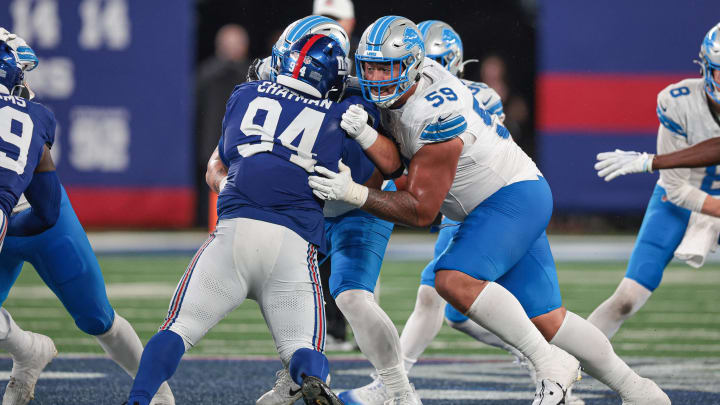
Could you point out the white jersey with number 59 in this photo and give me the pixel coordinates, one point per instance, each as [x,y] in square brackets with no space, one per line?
[443,108]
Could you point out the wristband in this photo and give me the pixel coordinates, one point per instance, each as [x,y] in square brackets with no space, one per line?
[367,137]
[356,195]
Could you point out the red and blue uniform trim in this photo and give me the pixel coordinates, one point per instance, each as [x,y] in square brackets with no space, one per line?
[318,340]
[179,296]
[3,227]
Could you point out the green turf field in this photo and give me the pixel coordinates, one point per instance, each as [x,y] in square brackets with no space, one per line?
[681,319]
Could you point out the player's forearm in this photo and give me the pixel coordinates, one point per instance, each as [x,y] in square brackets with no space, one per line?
[216,172]
[385,155]
[703,154]
[399,207]
[711,206]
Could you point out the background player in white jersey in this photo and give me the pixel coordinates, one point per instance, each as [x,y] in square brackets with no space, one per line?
[357,242]
[689,113]
[270,227]
[463,162]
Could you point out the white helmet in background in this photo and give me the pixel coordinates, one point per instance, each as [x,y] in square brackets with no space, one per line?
[443,44]
[710,60]
[392,40]
[312,24]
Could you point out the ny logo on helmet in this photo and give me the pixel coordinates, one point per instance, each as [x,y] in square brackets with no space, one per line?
[411,38]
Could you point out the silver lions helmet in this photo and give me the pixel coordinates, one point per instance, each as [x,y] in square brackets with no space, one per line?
[312,24]
[710,61]
[396,44]
[443,44]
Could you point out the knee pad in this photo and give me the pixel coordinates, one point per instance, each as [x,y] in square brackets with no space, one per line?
[350,301]
[428,299]
[95,324]
[629,297]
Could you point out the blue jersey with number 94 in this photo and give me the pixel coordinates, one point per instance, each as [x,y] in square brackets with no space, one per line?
[272,140]
[25,127]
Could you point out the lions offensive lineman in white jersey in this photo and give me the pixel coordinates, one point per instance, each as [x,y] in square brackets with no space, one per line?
[498,269]
[689,113]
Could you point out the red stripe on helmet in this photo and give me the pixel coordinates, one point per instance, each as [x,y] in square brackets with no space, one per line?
[303,52]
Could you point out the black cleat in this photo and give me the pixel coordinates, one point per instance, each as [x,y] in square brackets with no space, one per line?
[316,392]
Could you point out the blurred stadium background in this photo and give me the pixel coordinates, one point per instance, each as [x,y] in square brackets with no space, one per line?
[137,87]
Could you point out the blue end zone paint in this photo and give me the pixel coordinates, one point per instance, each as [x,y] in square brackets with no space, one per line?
[568,161]
[618,36]
[243,381]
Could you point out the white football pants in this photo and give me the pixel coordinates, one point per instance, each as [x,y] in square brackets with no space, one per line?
[265,262]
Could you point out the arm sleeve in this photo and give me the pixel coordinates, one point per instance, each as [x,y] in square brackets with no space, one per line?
[44,194]
[676,181]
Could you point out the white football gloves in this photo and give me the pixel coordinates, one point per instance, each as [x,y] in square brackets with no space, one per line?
[338,186]
[354,122]
[28,60]
[619,163]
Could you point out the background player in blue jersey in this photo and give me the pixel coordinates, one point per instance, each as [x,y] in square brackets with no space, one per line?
[270,225]
[27,131]
[64,259]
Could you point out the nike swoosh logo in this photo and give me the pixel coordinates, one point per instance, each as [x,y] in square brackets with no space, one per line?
[486,101]
[441,119]
[663,108]
[294,392]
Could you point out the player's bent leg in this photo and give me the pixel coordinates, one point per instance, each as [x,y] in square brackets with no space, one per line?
[462,323]
[661,232]
[31,352]
[422,326]
[588,344]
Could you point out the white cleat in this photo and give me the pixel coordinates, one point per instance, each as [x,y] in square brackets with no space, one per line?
[285,391]
[163,396]
[371,394]
[646,393]
[21,388]
[405,398]
[555,377]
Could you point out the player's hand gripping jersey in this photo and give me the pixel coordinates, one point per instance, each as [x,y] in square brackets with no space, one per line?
[442,108]
[272,139]
[25,127]
[686,119]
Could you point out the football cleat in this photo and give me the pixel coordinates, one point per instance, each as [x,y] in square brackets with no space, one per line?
[405,398]
[371,394]
[647,393]
[316,392]
[549,392]
[163,396]
[284,392]
[555,377]
[21,388]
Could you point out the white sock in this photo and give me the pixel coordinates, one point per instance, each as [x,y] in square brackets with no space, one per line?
[587,343]
[376,336]
[422,326]
[124,347]
[499,311]
[14,340]
[627,299]
[477,332]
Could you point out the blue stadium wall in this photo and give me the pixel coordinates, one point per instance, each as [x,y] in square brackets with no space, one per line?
[118,76]
[600,67]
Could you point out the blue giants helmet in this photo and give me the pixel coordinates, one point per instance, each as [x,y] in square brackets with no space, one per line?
[710,60]
[442,44]
[312,24]
[315,65]
[391,41]
[11,74]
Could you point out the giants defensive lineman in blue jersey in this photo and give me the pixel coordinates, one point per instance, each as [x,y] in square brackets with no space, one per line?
[270,226]
[27,131]
[64,259]
[356,243]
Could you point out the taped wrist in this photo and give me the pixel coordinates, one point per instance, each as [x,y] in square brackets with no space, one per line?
[356,195]
[648,163]
[367,137]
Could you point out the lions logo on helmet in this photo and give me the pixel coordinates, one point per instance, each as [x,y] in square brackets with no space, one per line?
[710,61]
[313,24]
[442,44]
[395,42]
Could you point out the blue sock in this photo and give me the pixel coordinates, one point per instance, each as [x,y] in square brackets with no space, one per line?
[308,362]
[159,361]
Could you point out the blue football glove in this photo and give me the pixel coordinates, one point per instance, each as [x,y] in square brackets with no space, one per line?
[28,59]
